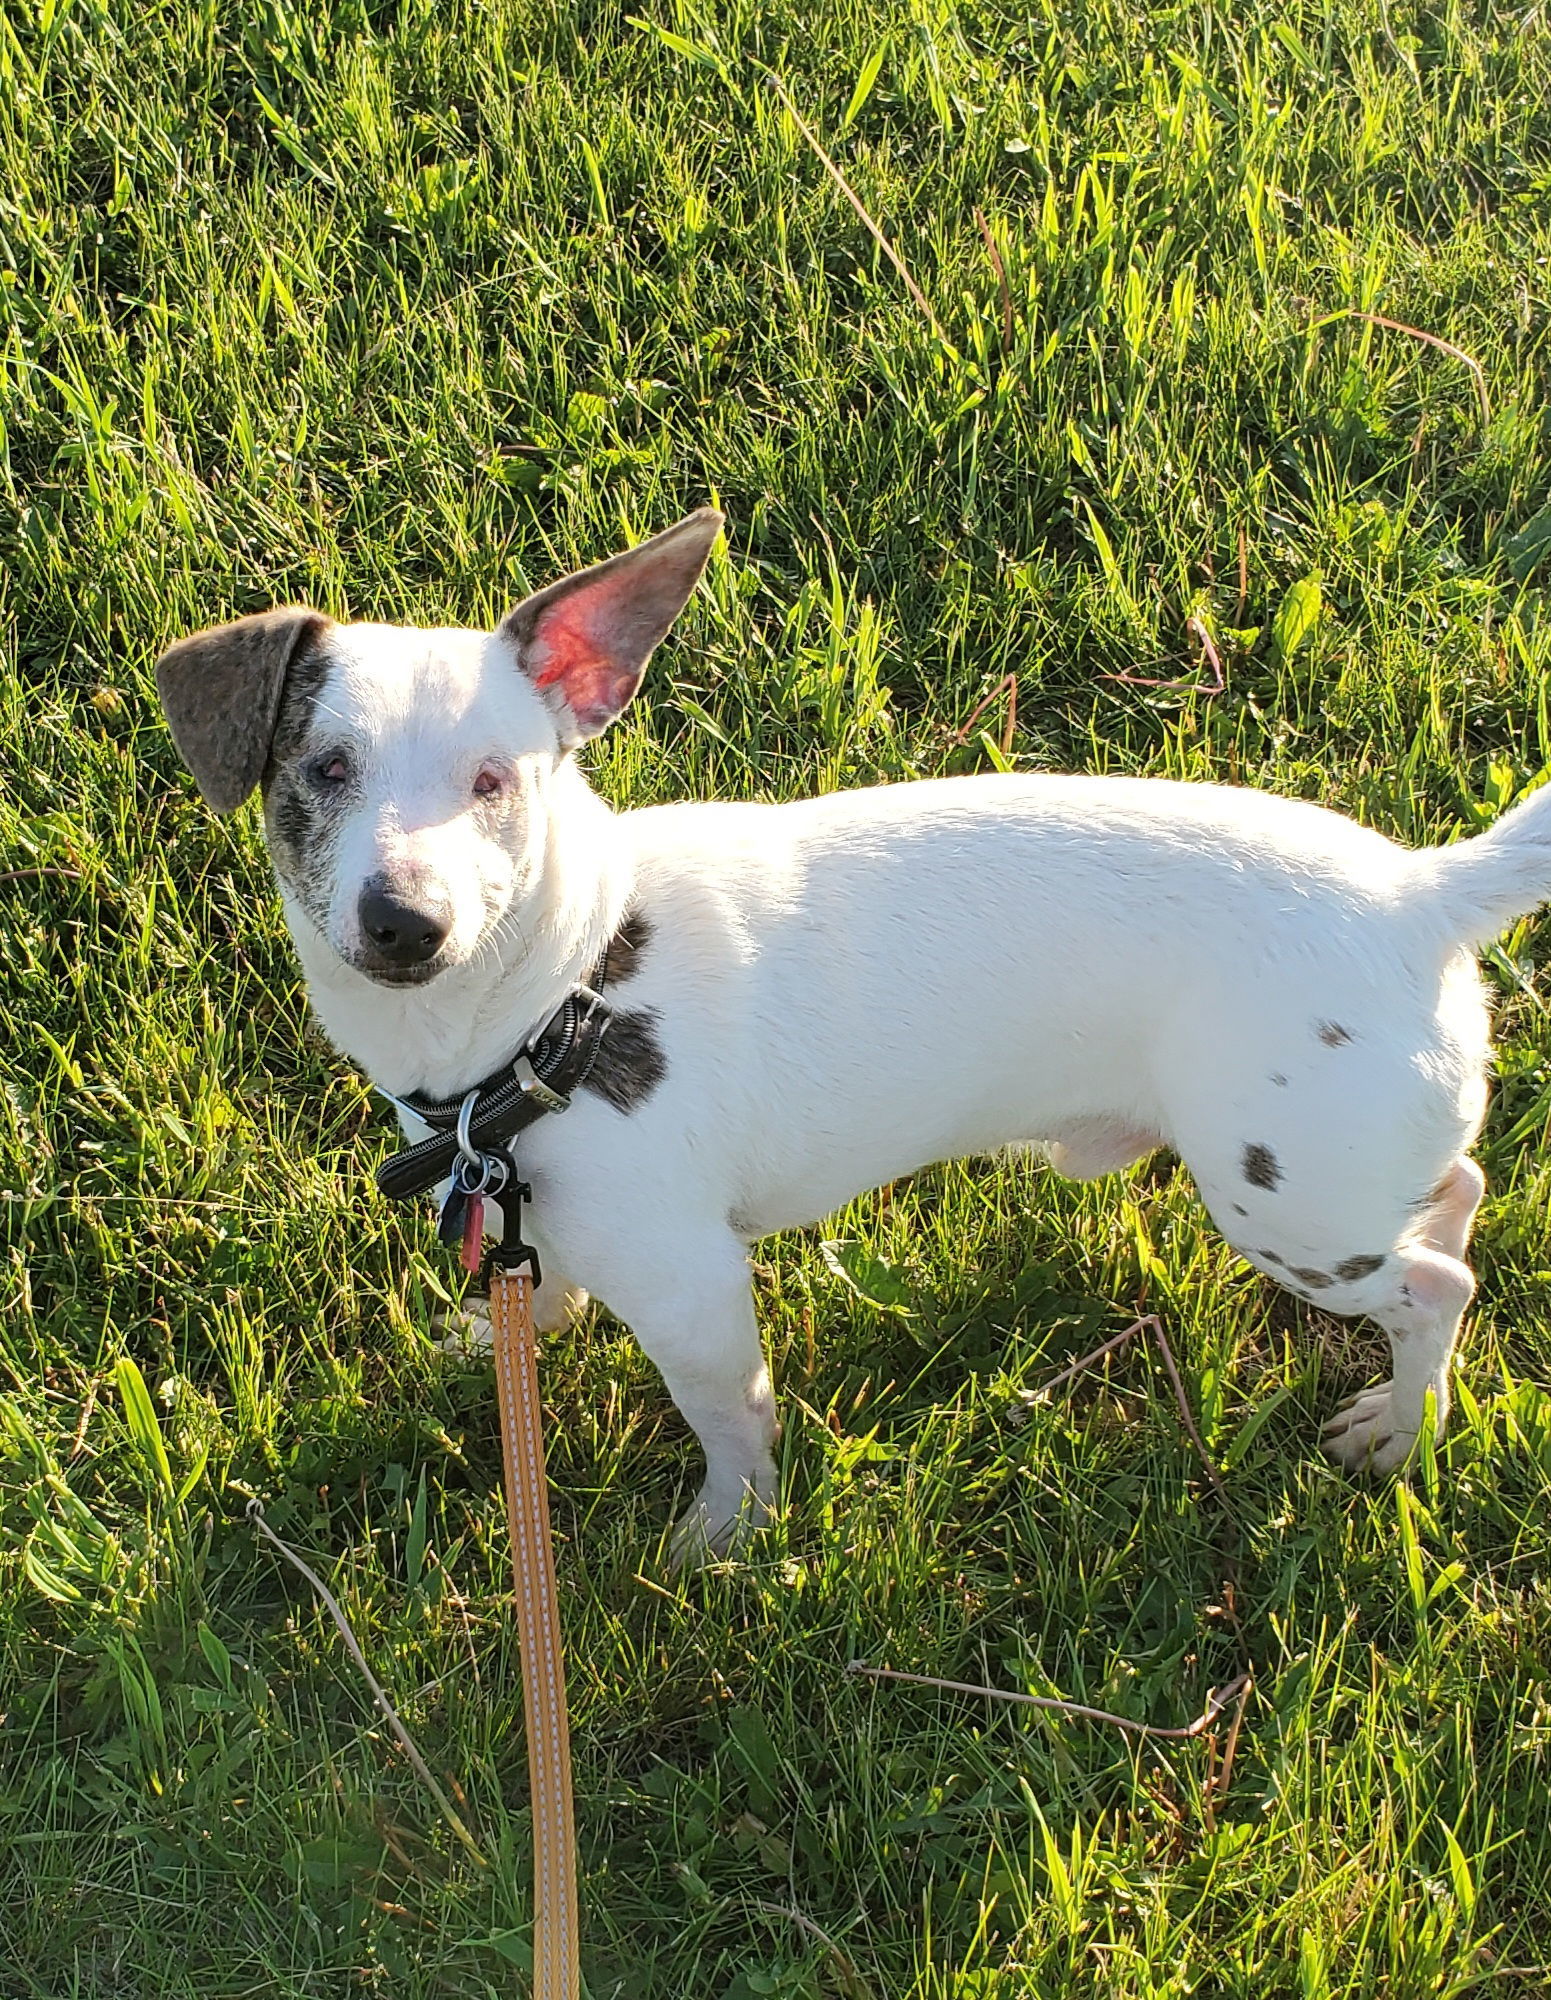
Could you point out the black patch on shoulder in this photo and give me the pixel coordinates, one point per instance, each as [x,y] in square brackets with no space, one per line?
[1261,1168]
[627,944]
[630,1062]
[1350,1269]
[1316,1280]
[1332,1034]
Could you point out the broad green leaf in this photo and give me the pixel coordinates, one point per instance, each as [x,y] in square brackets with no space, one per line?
[1296,617]
[140,1415]
[516,1947]
[217,1658]
[47,1580]
[864,84]
[870,1277]
[195,1473]
[680,45]
[414,1543]
[1526,546]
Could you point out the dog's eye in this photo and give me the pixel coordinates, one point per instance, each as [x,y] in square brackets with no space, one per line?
[487,785]
[332,770]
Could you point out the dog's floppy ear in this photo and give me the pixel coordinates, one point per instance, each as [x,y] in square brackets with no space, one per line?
[585,641]
[222,690]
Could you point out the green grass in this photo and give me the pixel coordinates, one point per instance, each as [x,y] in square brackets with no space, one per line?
[400,309]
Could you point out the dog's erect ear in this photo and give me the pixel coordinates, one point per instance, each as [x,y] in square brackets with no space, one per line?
[222,690]
[585,641]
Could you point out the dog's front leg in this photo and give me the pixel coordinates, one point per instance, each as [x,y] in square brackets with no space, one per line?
[697,1325]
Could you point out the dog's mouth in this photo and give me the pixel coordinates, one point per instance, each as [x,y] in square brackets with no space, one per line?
[399,976]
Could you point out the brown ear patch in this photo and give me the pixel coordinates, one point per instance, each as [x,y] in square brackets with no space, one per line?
[222,691]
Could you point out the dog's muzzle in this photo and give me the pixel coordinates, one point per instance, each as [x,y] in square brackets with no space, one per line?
[401,939]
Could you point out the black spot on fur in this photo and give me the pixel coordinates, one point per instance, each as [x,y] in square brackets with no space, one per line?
[1278,1079]
[1332,1034]
[1238,1210]
[1260,1167]
[1269,1255]
[301,833]
[306,671]
[289,816]
[1316,1280]
[626,946]
[630,1062]
[1350,1269]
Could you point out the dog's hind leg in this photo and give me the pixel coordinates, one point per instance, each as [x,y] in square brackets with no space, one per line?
[1454,1203]
[697,1324]
[1089,1147]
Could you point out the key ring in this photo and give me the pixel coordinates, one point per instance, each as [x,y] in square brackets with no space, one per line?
[493,1171]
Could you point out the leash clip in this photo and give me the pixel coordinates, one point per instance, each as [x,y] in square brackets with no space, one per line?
[511,1255]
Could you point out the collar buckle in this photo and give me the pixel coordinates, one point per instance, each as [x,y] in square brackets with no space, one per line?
[531,1084]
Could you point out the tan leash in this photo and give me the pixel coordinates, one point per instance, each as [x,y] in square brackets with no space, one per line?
[557,1970]
[469,1147]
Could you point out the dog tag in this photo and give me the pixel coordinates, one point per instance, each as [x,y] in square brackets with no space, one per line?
[474,1234]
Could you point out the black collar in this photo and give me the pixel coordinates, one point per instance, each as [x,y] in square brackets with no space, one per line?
[541,1077]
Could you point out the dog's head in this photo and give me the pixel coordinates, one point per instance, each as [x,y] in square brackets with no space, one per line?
[405,773]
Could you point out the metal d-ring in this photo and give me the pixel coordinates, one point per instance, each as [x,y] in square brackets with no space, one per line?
[465,1119]
[492,1170]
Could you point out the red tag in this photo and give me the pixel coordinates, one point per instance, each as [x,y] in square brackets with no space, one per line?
[474,1234]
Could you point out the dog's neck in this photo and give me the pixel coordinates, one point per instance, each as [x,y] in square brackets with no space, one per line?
[445,1036]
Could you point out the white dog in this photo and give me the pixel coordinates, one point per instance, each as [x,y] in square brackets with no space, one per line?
[815,998]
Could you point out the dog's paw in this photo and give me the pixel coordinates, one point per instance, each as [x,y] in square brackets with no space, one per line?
[715,1527]
[556,1303]
[466,1329]
[1363,1436]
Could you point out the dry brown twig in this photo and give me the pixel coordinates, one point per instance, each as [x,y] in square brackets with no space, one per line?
[1217,1701]
[88,1404]
[855,200]
[1147,1323]
[1209,654]
[1080,1367]
[1000,269]
[1237,1690]
[1222,1777]
[851,1981]
[1152,1320]
[41,874]
[1477,372]
[1150,1323]
[1008,685]
[379,1693]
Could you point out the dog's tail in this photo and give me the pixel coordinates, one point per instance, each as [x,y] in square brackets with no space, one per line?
[1481,886]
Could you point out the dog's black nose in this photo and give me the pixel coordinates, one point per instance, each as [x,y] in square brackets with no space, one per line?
[400,934]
